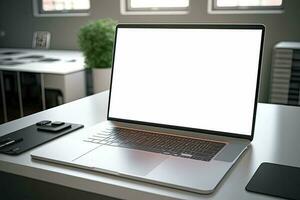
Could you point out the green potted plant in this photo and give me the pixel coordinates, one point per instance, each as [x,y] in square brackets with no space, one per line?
[96,41]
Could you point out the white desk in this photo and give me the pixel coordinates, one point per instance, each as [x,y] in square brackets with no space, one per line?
[65,74]
[276,139]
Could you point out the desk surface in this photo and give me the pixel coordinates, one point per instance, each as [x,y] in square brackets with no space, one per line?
[68,61]
[276,139]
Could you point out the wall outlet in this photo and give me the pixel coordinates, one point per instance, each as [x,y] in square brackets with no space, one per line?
[2,33]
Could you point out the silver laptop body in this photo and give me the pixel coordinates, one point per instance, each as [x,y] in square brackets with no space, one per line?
[173,85]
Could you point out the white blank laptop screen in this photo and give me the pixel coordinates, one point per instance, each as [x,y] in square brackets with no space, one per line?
[196,78]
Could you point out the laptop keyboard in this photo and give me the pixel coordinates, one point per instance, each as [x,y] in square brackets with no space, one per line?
[191,148]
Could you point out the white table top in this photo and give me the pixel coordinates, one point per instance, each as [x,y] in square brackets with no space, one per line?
[276,139]
[287,45]
[69,61]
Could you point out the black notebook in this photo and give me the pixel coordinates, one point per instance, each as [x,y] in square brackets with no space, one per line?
[276,180]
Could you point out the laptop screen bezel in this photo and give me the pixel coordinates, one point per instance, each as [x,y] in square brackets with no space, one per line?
[194,26]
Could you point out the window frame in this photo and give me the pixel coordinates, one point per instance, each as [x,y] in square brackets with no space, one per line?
[126,9]
[214,9]
[39,12]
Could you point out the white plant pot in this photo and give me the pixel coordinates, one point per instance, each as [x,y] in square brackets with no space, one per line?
[101,79]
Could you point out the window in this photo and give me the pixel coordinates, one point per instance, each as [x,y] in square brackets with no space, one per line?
[155,6]
[247,4]
[61,7]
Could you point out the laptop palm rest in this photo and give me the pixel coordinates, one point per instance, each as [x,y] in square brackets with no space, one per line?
[118,160]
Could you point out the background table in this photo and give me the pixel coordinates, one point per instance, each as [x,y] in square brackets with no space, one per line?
[59,72]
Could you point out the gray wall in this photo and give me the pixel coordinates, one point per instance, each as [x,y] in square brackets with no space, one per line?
[16,19]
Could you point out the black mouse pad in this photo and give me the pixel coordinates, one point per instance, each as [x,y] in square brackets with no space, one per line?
[276,180]
[32,136]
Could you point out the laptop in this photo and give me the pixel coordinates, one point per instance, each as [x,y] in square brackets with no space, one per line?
[182,106]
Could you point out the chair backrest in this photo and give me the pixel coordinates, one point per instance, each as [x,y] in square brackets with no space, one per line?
[41,40]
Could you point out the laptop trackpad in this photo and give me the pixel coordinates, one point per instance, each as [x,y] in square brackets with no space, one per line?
[121,160]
